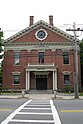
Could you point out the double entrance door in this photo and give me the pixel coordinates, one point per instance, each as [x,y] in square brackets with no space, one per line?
[41,82]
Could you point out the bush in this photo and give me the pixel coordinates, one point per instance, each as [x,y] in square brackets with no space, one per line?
[67,88]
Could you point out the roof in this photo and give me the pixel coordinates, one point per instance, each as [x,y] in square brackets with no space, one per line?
[34,26]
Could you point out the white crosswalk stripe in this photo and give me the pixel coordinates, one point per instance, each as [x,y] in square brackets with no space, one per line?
[34,111]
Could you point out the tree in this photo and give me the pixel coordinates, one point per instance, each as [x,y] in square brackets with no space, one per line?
[81,52]
[1,56]
[1,48]
[81,61]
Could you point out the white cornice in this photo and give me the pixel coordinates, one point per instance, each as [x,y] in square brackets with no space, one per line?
[36,25]
[38,43]
[16,73]
[39,46]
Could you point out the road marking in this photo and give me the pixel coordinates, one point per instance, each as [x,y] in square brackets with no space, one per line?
[71,111]
[5,109]
[37,105]
[8,119]
[51,107]
[34,113]
[37,121]
[55,113]
[38,108]
[34,103]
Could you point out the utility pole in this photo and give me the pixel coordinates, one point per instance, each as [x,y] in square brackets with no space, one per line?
[75,59]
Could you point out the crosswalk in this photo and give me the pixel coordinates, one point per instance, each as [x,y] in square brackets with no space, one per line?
[34,112]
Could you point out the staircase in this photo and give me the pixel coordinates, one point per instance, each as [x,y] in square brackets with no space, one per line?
[40,92]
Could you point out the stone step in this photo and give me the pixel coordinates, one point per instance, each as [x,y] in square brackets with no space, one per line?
[40,92]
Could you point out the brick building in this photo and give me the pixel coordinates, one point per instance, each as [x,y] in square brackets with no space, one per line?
[40,57]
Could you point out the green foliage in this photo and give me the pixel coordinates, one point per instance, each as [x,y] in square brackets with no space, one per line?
[67,88]
[1,35]
[0,76]
[81,52]
[1,43]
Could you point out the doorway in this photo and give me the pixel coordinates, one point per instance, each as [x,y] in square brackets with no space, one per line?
[41,83]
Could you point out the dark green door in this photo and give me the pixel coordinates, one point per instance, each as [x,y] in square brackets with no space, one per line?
[41,83]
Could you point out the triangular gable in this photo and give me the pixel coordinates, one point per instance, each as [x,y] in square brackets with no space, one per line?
[36,25]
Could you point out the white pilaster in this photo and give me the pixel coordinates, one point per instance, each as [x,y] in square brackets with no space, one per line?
[56,80]
[26,81]
[28,87]
[53,81]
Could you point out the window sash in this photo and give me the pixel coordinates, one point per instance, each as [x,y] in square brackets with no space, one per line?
[17,58]
[41,57]
[65,58]
[66,79]
[16,79]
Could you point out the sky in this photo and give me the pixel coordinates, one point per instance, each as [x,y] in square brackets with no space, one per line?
[14,14]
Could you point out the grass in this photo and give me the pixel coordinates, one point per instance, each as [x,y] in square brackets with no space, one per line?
[10,93]
[81,94]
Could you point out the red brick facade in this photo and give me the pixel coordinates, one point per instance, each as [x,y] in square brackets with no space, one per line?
[46,73]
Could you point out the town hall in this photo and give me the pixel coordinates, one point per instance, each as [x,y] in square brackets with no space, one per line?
[40,57]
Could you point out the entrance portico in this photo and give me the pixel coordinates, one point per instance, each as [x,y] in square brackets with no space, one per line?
[41,73]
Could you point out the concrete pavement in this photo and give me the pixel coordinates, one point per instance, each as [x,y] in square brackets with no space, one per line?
[40,96]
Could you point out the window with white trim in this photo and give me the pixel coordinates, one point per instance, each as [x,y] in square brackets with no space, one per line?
[16,58]
[16,79]
[41,57]
[66,79]
[65,58]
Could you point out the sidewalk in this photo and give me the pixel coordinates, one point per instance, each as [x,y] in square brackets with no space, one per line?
[40,96]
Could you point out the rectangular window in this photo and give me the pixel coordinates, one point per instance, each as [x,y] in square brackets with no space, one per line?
[16,79]
[65,58]
[41,57]
[66,79]
[17,58]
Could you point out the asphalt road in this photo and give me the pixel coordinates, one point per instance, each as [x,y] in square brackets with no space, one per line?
[34,112]
[7,106]
[70,111]
[21,111]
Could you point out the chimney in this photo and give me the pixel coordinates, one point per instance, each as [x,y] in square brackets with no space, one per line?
[51,20]
[31,20]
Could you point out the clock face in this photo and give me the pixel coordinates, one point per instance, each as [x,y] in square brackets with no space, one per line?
[41,34]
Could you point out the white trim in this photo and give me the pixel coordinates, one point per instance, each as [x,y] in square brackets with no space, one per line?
[53,81]
[38,47]
[35,26]
[16,73]
[28,80]
[66,72]
[56,80]
[38,37]
[16,84]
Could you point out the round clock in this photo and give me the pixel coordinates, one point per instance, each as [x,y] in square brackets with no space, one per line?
[41,34]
